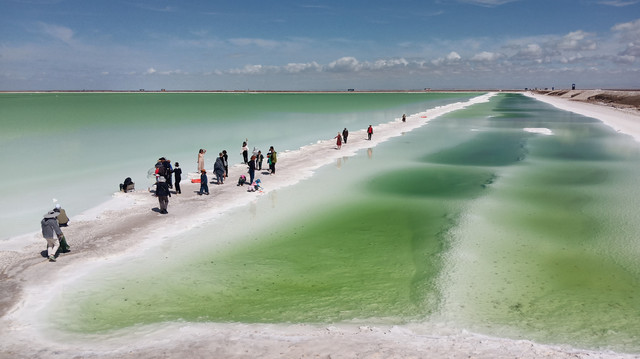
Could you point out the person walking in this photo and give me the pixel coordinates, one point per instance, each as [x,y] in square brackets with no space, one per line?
[404,118]
[273,158]
[218,169]
[177,172]
[49,226]
[345,134]
[369,132]
[201,159]
[339,140]
[252,168]
[163,193]
[204,184]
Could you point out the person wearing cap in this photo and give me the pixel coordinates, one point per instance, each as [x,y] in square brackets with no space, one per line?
[50,227]
[177,172]
[63,220]
[163,193]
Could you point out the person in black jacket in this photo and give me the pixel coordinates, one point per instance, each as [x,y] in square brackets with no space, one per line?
[177,172]
[252,168]
[162,191]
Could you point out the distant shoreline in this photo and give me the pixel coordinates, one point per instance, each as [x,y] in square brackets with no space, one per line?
[554,92]
[255,91]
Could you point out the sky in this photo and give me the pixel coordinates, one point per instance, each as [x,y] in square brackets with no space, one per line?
[318,44]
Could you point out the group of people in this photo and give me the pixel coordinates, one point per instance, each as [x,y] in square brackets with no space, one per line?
[342,137]
[221,165]
[220,169]
[164,173]
[164,181]
[50,225]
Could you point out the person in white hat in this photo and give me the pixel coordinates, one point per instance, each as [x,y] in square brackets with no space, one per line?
[50,226]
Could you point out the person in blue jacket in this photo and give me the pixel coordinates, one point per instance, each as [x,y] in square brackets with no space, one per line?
[204,184]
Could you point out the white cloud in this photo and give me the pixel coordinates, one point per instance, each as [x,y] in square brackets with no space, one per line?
[628,31]
[618,3]
[576,41]
[531,51]
[632,49]
[386,64]
[295,68]
[58,32]
[345,64]
[250,70]
[625,59]
[485,56]
[488,3]
[453,56]
[254,42]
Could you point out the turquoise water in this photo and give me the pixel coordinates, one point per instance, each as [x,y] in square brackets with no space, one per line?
[78,147]
[468,221]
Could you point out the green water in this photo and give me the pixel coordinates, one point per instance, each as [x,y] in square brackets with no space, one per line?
[77,147]
[468,221]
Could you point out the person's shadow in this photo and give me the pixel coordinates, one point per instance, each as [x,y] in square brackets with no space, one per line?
[156,209]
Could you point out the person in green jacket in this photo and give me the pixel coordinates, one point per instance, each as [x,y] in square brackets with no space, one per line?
[272,160]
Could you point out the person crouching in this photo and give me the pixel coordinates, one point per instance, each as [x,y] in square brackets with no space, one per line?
[50,227]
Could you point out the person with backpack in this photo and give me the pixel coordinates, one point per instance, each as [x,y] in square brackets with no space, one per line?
[161,169]
[168,172]
[163,193]
[63,219]
[49,226]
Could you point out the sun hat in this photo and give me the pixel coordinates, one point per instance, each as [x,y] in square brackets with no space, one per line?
[51,214]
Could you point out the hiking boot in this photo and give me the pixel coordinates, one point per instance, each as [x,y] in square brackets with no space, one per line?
[52,258]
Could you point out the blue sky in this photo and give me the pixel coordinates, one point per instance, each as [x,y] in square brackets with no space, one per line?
[318,44]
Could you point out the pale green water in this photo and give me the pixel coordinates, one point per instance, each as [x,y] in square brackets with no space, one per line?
[77,147]
[468,221]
